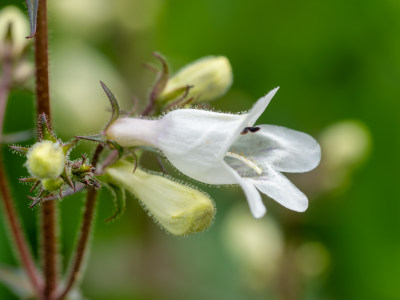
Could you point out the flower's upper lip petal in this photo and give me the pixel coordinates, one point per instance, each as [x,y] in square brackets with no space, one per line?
[285,149]
[259,107]
[278,187]
[251,117]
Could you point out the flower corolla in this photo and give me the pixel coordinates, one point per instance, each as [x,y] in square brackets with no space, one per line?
[222,148]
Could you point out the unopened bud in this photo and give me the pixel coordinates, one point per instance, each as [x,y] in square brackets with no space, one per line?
[52,185]
[46,160]
[209,78]
[180,209]
[11,18]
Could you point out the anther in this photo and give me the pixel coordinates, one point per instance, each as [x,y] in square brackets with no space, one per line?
[251,129]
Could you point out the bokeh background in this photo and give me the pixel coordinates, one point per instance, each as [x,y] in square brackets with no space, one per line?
[338,66]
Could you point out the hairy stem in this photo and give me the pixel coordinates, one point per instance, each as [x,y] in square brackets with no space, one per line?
[14,224]
[75,269]
[49,234]
[42,61]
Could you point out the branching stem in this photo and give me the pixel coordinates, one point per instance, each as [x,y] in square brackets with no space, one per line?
[75,269]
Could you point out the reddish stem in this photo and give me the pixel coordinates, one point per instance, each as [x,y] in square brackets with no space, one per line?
[75,270]
[49,208]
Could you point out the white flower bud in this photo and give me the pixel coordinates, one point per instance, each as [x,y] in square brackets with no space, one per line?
[180,209]
[11,15]
[210,77]
[45,160]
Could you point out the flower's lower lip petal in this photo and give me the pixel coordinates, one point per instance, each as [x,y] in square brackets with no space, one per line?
[278,187]
[253,197]
[256,204]
[285,149]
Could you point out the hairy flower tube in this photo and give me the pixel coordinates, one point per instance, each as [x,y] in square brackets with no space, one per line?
[221,148]
[209,77]
[45,160]
[180,209]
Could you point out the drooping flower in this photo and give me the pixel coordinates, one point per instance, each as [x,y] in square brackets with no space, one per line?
[180,209]
[222,148]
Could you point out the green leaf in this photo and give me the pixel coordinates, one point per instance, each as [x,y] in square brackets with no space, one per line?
[113,102]
[16,280]
[119,201]
[32,11]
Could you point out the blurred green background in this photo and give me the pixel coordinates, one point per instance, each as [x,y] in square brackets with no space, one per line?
[338,66]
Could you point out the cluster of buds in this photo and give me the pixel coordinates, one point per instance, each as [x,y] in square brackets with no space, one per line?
[50,168]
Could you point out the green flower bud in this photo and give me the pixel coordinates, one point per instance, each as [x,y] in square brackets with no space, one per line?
[45,160]
[180,209]
[12,16]
[52,185]
[210,77]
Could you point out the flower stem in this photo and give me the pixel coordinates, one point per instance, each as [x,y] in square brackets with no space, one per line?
[42,61]
[14,224]
[48,226]
[75,269]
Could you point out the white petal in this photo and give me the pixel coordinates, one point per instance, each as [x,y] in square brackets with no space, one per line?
[259,107]
[253,197]
[251,117]
[279,188]
[285,149]
[195,142]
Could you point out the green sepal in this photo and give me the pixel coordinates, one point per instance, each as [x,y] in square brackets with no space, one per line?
[67,147]
[175,94]
[22,150]
[45,132]
[162,79]
[182,100]
[116,146]
[113,102]
[119,198]
[32,11]
[98,138]
[39,198]
[28,179]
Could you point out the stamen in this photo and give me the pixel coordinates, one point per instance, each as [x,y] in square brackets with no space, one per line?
[249,163]
[251,129]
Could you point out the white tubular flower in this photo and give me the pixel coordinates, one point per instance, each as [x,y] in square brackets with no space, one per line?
[180,209]
[220,148]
